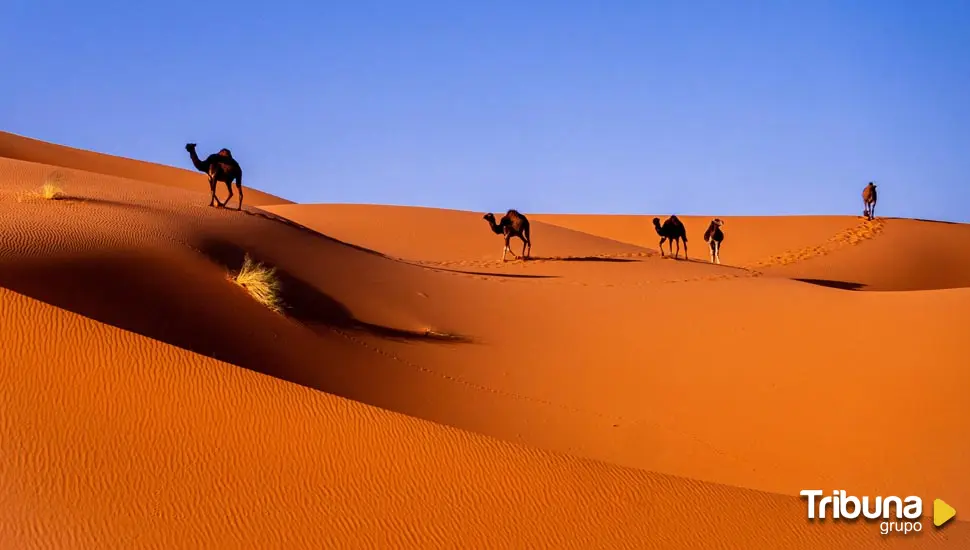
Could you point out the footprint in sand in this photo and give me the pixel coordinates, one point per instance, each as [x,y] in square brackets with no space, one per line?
[867,229]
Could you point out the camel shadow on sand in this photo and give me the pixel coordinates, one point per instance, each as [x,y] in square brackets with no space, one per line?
[483,273]
[594,259]
[603,259]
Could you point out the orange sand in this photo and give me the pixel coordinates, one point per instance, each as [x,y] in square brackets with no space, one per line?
[420,393]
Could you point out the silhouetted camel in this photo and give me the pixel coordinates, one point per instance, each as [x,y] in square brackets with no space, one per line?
[869,201]
[715,237]
[219,167]
[513,224]
[674,230]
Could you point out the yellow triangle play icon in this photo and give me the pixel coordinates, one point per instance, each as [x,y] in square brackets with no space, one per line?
[942,512]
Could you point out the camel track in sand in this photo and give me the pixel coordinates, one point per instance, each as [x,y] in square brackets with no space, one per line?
[863,231]
[465,267]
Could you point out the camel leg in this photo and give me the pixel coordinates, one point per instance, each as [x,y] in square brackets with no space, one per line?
[239,188]
[524,243]
[713,245]
[229,188]
[685,249]
[872,211]
[717,254]
[677,255]
[212,189]
[661,246]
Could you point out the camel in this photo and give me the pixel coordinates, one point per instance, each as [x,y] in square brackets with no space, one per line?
[869,201]
[715,237]
[219,167]
[674,230]
[513,224]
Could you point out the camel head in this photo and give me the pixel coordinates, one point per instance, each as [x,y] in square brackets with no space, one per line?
[718,222]
[656,222]
[496,228]
[190,147]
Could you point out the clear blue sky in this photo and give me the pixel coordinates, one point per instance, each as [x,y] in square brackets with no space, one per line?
[707,107]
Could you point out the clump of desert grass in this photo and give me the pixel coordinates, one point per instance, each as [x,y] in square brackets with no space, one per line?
[260,282]
[51,190]
[47,192]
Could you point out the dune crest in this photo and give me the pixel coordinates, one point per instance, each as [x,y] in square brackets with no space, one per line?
[866,229]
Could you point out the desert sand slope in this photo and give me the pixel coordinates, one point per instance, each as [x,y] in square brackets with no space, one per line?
[748,239]
[440,236]
[23,148]
[461,242]
[115,440]
[903,255]
[707,372]
[594,346]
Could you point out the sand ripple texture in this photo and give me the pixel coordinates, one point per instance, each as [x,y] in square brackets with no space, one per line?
[114,440]
[147,402]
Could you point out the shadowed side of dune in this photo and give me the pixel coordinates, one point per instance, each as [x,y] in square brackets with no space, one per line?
[842,285]
[120,441]
[308,305]
[189,302]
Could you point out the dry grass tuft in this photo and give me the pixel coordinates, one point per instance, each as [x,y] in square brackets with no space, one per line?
[50,191]
[261,283]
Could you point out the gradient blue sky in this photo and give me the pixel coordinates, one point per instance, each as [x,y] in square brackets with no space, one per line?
[689,107]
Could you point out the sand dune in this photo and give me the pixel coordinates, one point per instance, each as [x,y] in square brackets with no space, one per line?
[907,255]
[418,392]
[124,441]
[446,237]
[17,147]
[838,251]
[749,240]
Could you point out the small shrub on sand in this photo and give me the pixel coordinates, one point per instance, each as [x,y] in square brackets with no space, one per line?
[261,283]
[50,191]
